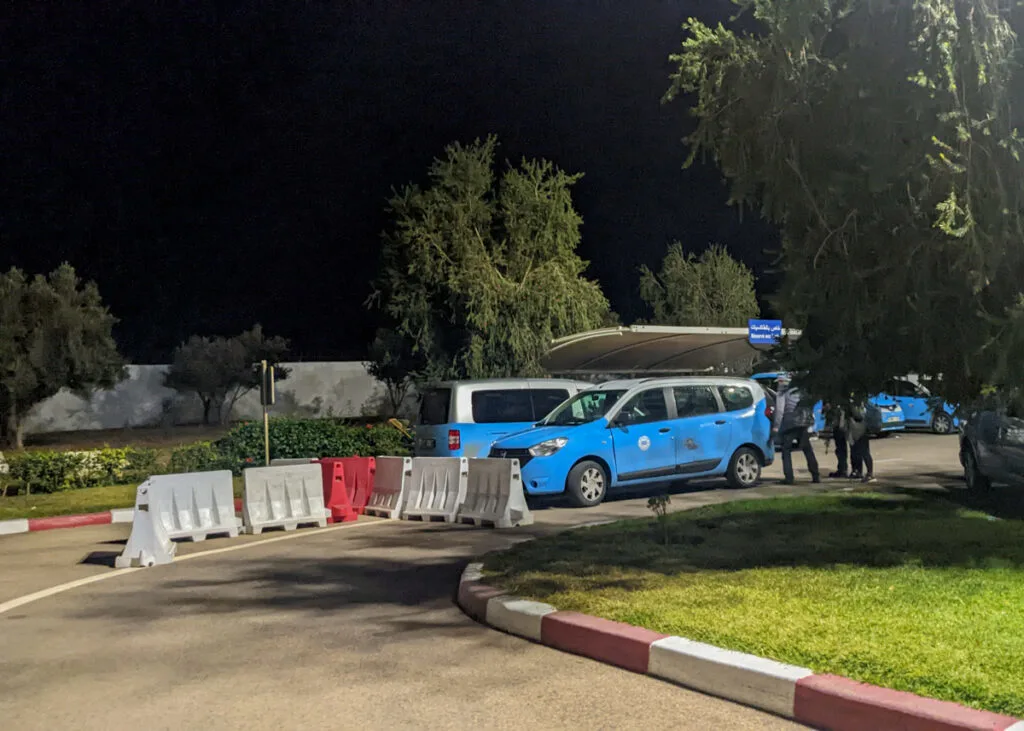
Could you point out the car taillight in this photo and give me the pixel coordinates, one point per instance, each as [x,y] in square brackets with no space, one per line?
[454,440]
[769,411]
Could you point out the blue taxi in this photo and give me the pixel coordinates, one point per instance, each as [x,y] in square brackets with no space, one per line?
[625,433]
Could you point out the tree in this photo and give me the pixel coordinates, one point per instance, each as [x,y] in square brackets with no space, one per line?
[221,370]
[55,333]
[480,273]
[713,290]
[393,363]
[880,137]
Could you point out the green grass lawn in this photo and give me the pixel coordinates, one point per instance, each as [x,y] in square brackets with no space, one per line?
[912,593]
[88,500]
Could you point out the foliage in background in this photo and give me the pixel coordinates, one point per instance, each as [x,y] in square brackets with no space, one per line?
[393,363]
[296,438]
[221,370]
[480,272]
[712,290]
[881,139]
[201,457]
[55,333]
[45,471]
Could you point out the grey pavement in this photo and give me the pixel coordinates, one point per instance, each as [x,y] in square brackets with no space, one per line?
[344,628]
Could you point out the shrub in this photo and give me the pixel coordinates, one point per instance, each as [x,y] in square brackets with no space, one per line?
[142,463]
[297,438]
[49,471]
[200,457]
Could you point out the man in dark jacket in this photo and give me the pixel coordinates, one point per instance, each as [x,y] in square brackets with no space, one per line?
[794,419]
[861,463]
[835,420]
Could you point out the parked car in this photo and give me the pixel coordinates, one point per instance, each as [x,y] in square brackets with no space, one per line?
[634,432]
[884,413]
[463,418]
[992,443]
[922,410]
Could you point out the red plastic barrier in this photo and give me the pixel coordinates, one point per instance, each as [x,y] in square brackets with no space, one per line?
[359,473]
[359,476]
[337,494]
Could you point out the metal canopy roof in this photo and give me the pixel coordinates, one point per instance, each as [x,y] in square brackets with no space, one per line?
[651,349]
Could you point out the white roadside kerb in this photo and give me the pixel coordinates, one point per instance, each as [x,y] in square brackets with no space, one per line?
[472,572]
[11,527]
[736,676]
[520,617]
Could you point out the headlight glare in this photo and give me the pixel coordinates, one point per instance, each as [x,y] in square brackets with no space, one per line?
[547,448]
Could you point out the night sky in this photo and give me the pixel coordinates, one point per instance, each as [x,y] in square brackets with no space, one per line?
[213,165]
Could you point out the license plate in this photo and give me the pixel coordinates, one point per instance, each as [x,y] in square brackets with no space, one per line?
[427,443]
[892,418]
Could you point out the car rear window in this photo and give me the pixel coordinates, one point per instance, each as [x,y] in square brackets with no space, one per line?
[502,406]
[546,400]
[736,398]
[434,406]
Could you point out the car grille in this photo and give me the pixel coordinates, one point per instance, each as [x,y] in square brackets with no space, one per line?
[523,455]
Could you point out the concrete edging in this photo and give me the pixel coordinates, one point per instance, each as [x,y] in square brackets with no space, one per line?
[31,525]
[118,515]
[823,701]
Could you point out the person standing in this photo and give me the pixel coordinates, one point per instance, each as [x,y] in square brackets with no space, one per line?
[835,419]
[794,419]
[860,445]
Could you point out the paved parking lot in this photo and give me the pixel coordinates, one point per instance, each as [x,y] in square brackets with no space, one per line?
[349,627]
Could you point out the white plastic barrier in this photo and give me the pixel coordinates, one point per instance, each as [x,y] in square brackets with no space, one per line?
[494,494]
[389,487]
[436,488]
[194,505]
[283,497]
[148,544]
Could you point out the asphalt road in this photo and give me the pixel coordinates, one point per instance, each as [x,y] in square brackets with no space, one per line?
[353,627]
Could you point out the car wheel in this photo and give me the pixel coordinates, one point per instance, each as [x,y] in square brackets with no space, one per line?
[976,481]
[744,468]
[942,423]
[587,484]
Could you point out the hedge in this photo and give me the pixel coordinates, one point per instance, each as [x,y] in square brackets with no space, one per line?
[200,457]
[297,438]
[47,471]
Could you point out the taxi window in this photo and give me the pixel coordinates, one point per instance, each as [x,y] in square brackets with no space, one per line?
[502,406]
[546,400]
[736,398]
[434,406]
[646,406]
[695,401]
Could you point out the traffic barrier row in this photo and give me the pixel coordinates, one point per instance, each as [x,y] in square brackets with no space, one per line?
[453,489]
[294,493]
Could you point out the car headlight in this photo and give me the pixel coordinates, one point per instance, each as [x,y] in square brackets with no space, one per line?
[546,449]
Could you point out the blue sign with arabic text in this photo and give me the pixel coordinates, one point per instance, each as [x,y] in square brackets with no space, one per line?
[764,332]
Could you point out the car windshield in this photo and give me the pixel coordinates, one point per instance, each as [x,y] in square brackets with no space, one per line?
[583,408]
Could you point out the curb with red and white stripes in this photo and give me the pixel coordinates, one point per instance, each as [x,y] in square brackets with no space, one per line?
[819,701]
[30,525]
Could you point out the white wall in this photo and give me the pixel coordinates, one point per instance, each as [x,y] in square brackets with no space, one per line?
[312,390]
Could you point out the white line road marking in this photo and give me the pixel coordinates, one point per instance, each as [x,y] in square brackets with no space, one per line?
[68,586]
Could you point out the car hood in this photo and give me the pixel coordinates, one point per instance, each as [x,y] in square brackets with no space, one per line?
[532,436]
